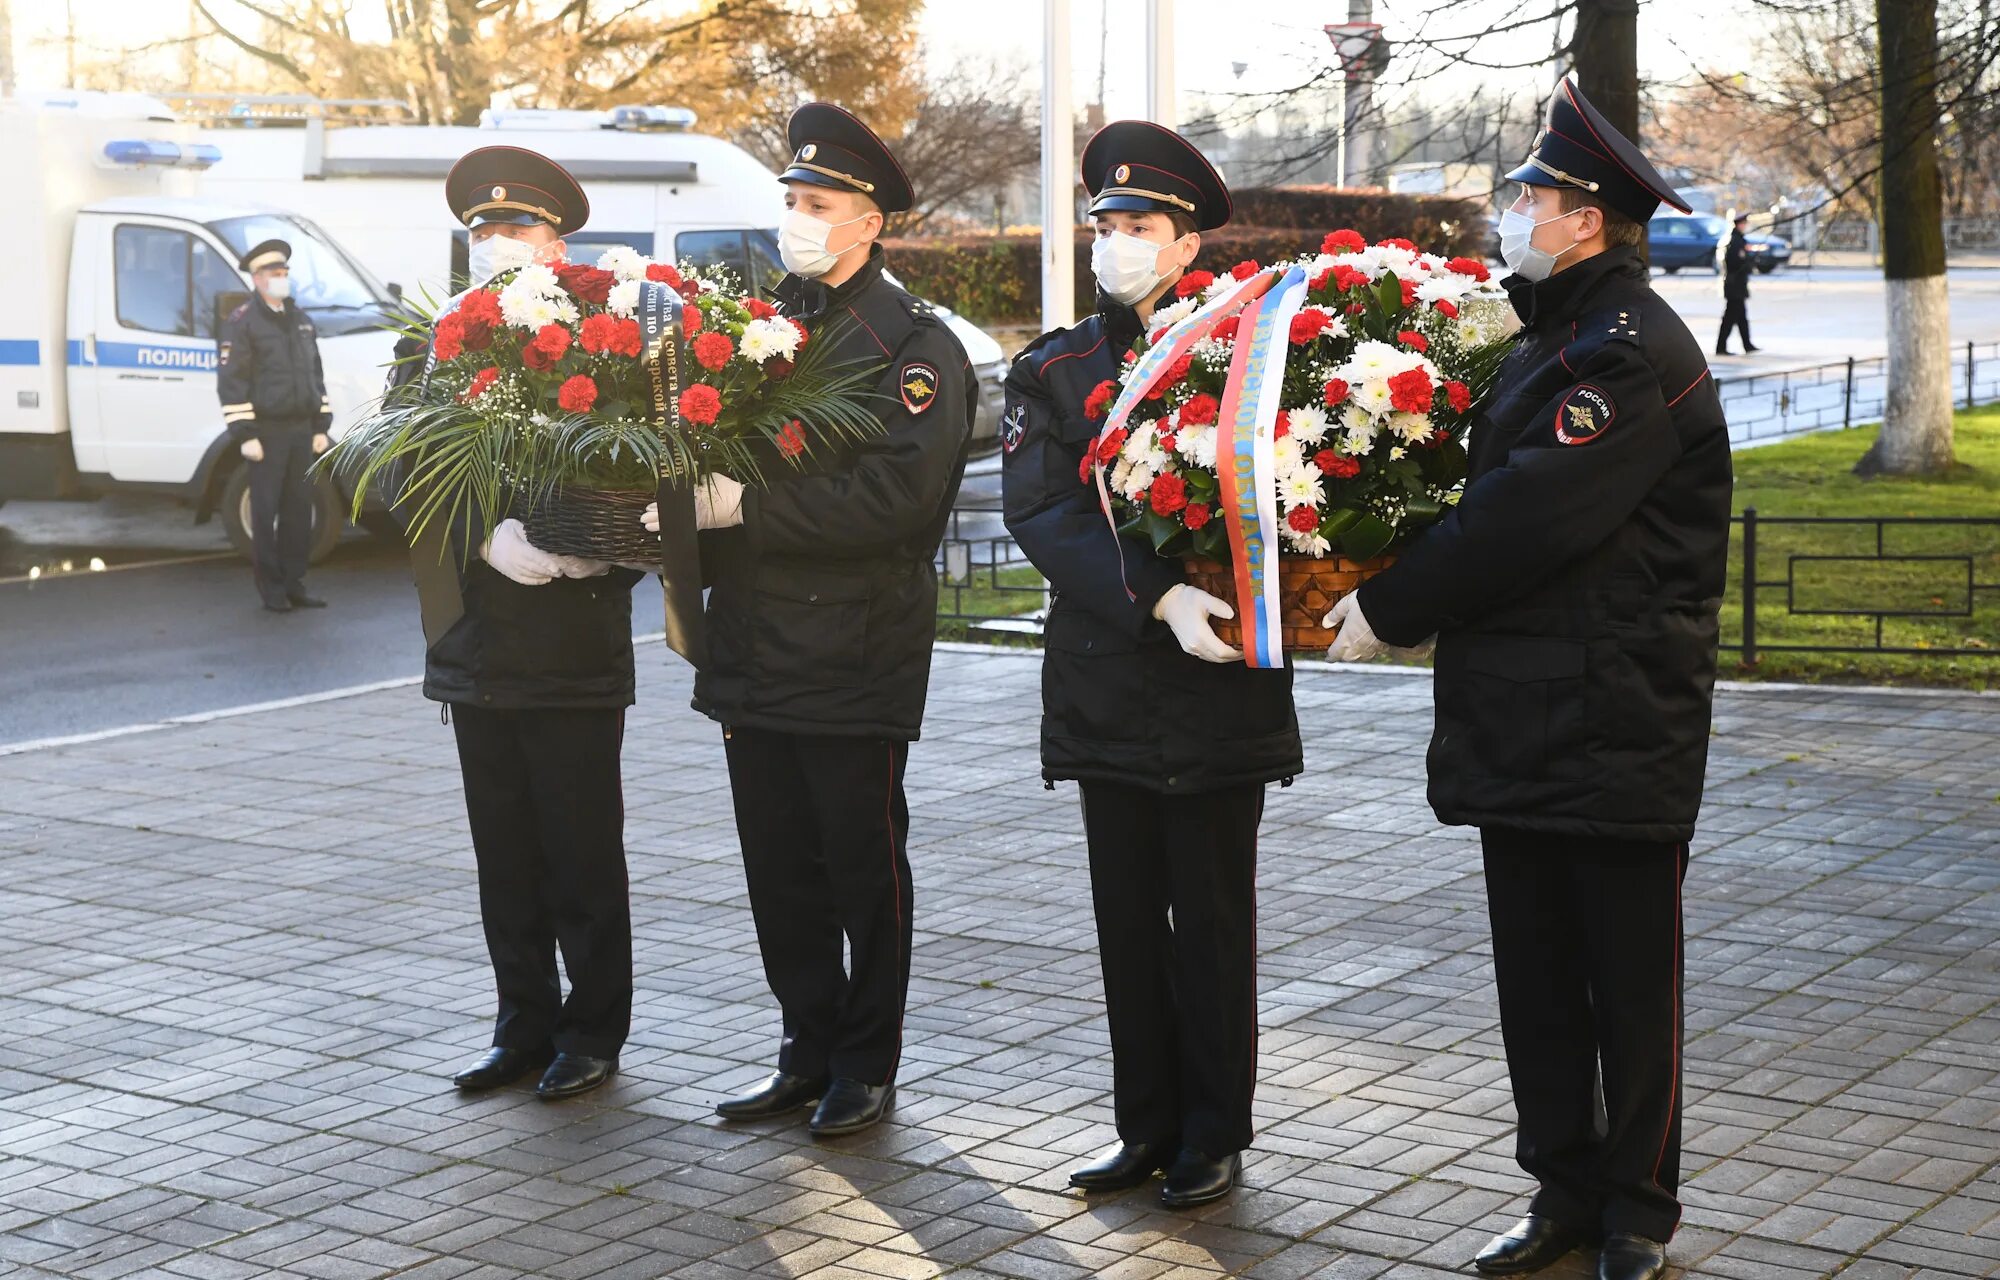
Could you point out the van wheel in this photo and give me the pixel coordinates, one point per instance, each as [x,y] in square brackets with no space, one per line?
[1671,270]
[235,511]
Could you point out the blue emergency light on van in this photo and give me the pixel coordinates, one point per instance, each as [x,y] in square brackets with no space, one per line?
[199,155]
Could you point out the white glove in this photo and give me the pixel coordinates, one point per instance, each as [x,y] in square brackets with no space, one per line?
[718,503]
[581,567]
[253,449]
[1187,610]
[650,517]
[510,552]
[320,442]
[1356,641]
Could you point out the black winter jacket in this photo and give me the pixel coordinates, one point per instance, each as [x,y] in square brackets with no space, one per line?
[268,372]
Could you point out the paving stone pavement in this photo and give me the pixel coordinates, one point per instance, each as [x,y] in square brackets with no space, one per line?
[238,960]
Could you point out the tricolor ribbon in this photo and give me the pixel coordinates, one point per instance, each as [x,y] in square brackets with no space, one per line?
[1243,447]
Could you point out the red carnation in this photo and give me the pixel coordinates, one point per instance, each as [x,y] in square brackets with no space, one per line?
[1225,328]
[1396,242]
[1469,267]
[1109,444]
[1303,519]
[478,334]
[759,309]
[1099,400]
[626,339]
[1410,391]
[552,340]
[449,338]
[587,283]
[538,358]
[1414,341]
[577,394]
[713,349]
[1131,356]
[1344,240]
[664,273]
[594,335]
[1083,468]
[1346,277]
[482,380]
[1460,396]
[1446,308]
[1320,281]
[1355,308]
[777,368]
[1169,494]
[1168,440]
[1177,371]
[701,404]
[1244,270]
[1336,391]
[1283,427]
[1409,292]
[1307,325]
[1196,515]
[798,329]
[691,321]
[791,438]
[1200,410]
[1192,283]
[480,304]
[1339,466]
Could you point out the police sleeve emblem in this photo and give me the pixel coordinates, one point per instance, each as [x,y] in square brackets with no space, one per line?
[1583,415]
[918,384]
[1013,427]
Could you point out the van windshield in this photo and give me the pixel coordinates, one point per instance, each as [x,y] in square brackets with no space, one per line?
[322,277]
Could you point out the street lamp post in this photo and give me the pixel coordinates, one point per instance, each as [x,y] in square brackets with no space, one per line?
[1058,164]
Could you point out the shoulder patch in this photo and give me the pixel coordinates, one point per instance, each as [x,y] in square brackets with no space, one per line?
[222,356]
[1584,415]
[243,309]
[918,383]
[1013,426]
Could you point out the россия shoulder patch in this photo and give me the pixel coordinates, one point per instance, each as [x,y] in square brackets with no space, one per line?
[918,383]
[1584,415]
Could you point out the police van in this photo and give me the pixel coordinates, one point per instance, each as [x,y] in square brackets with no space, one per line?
[120,268]
[654,184]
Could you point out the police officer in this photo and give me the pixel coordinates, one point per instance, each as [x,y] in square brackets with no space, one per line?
[274,405]
[532,653]
[1735,286]
[820,625]
[1171,738]
[1573,594]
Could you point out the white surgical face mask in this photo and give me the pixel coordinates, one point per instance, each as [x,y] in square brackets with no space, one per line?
[278,288]
[1127,267]
[497,253]
[802,243]
[1517,231]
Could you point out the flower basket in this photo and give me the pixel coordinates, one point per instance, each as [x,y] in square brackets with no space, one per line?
[597,524]
[1308,586]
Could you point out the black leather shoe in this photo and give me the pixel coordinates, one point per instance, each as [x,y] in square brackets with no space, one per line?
[1630,1257]
[573,1073]
[1534,1243]
[850,1106]
[783,1092]
[1197,1178]
[502,1066]
[1128,1166]
[1750,350]
[278,606]
[304,601]
[1722,351]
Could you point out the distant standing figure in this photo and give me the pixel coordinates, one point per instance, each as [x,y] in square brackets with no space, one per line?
[1735,288]
[274,405]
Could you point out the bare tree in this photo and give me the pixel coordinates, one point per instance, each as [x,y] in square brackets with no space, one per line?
[1916,420]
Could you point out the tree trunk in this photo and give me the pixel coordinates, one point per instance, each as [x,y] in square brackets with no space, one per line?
[1605,55]
[1916,419]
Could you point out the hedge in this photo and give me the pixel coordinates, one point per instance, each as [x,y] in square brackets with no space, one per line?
[994,279]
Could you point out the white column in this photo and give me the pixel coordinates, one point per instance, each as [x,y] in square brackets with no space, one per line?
[1058,170]
[1162,95]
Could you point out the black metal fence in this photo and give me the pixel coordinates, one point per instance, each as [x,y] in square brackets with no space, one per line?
[1791,402]
[984,582]
[1924,586]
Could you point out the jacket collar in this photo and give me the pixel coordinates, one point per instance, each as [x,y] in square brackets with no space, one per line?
[803,297]
[1565,295]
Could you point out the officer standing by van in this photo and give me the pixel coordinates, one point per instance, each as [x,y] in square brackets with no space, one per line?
[274,404]
[532,655]
[1171,738]
[820,625]
[1573,593]
[1735,255]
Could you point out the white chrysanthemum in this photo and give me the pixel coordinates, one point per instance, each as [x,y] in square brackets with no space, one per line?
[1121,471]
[623,261]
[1320,262]
[1142,446]
[624,300]
[768,338]
[1372,359]
[1372,397]
[1310,544]
[1398,453]
[1448,287]
[1137,480]
[1175,314]
[1197,445]
[1285,456]
[1309,425]
[1412,428]
[538,277]
[1301,488]
[526,310]
[1472,332]
[566,311]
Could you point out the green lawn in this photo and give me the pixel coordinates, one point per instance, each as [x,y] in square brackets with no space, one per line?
[1809,476]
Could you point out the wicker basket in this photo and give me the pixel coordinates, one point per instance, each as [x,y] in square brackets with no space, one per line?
[598,524]
[1307,588]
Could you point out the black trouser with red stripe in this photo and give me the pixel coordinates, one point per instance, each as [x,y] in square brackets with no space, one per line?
[281,512]
[1587,955]
[824,828]
[547,808]
[1174,881]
